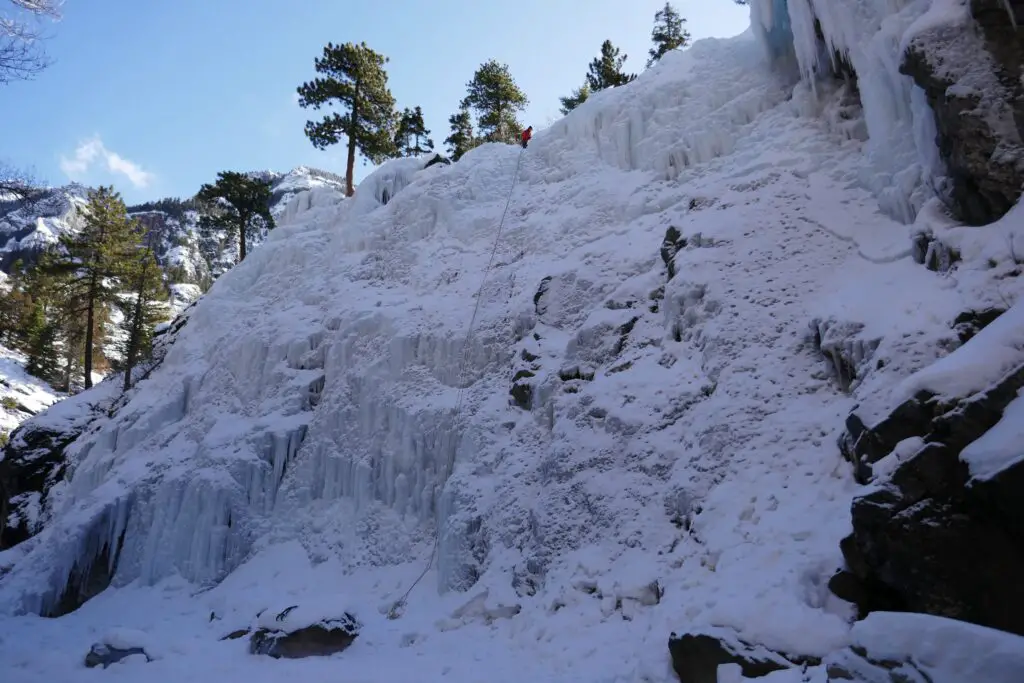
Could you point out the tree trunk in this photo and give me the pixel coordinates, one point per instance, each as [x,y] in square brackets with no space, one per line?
[350,167]
[133,337]
[89,337]
[350,164]
[243,220]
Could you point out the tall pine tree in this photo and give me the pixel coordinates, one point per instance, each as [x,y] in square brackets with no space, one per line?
[413,138]
[668,33]
[606,69]
[354,79]
[143,308]
[497,99]
[238,203]
[578,97]
[462,139]
[90,266]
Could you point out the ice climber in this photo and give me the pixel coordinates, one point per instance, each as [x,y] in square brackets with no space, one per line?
[527,134]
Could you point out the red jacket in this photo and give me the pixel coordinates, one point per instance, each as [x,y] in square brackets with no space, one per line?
[527,134]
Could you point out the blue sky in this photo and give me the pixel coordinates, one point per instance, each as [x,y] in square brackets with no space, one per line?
[155,97]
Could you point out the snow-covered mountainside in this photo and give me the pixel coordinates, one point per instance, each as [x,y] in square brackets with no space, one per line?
[21,395]
[611,417]
[26,227]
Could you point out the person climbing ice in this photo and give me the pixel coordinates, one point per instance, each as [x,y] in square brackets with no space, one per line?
[527,134]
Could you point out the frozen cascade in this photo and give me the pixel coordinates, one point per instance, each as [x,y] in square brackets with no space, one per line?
[311,395]
[903,167]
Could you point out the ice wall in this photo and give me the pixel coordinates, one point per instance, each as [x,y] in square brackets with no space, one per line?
[903,167]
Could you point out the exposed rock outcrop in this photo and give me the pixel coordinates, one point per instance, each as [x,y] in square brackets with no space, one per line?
[321,639]
[697,656]
[104,655]
[933,538]
[31,463]
[971,75]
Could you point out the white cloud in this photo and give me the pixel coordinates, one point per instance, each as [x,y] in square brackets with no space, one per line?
[92,151]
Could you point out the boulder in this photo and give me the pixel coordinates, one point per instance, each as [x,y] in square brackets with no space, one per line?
[322,639]
[102,654]
[697,656]
[934,537]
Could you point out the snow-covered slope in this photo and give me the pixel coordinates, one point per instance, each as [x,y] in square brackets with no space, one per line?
[21,395]
[638,437]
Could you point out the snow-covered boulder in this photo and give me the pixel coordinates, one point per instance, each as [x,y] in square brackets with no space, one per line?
[942,532]
[919,648]
[303,631]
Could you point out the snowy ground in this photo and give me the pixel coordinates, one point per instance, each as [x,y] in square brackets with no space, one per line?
[700,455]
[22,394]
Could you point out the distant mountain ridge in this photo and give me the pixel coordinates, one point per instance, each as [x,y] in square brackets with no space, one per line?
[27,227]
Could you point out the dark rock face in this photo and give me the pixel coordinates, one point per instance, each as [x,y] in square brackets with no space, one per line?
[696,657]
[319,640]
[438,159]
[975,125]
[104,655]
[33,461]
[931,539]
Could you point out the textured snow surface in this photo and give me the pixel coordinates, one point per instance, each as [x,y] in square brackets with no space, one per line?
[680,430]
[31,395]
[948,651]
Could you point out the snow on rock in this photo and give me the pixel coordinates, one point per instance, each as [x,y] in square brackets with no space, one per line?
[29,226]
[920,647]
[1000,447]
[328,423]
[993,352]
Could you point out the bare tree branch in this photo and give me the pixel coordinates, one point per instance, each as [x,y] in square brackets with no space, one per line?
[16,183]
[21,52]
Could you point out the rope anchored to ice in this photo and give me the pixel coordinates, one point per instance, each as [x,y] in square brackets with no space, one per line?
[396,608]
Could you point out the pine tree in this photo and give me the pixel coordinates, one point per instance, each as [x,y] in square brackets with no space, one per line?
[142,309]
[462,139]
[237,203]
[578,97]
[606,69]
[412,138]
[497,99]
[89,270]
[668,33]
[43,354]
[355,78]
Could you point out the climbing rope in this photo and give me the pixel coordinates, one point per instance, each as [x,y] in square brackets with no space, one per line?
[393,613]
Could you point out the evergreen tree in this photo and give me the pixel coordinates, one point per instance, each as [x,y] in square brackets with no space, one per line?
[355,78]
[13,302]
[412,138]
[42,348]
[578,97]
[606,69]
[668,33]
[142,309]
[90,266]
[497,99]
[462,139]
[237,203]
